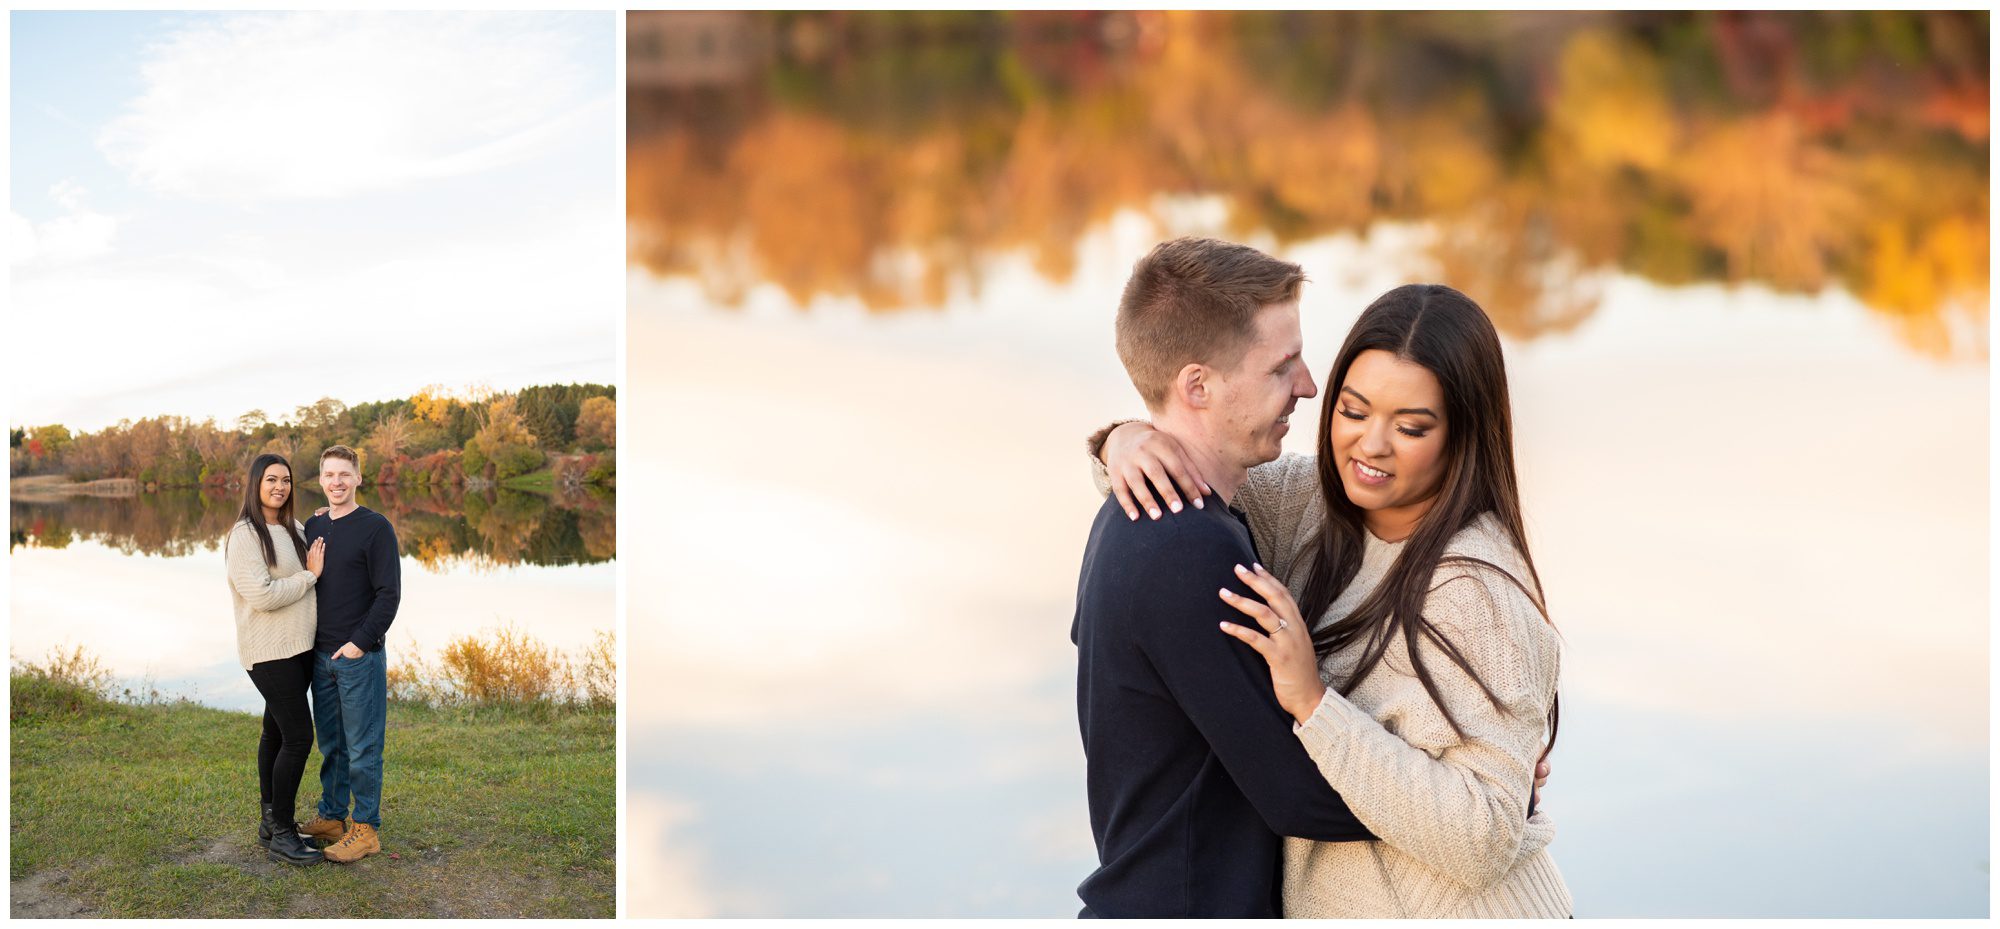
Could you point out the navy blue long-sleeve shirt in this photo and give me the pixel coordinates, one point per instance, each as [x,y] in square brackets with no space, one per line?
[1193,771]
[362,583]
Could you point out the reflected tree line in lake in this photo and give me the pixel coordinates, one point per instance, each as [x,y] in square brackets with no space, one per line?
[440,527]
[886,156]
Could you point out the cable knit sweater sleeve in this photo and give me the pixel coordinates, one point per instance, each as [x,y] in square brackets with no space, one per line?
[1457,805]
[1275,496]
[252,578]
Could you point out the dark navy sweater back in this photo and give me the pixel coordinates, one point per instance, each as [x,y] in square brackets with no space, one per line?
[1193,772]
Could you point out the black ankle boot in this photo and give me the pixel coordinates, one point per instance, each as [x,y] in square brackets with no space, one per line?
[264,828]
[286,846]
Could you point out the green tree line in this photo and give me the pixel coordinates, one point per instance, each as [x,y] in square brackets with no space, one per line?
[435,437]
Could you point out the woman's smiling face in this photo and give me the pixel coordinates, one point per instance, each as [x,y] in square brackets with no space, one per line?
[276,486]
[1388,439]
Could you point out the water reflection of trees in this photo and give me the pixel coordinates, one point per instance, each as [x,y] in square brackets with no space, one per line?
[882,157]
[440,527]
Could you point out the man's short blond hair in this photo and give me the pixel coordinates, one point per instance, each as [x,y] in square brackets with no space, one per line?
[341,452]
[1195,301]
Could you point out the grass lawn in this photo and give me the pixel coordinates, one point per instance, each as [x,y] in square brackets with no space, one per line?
[543,481]
[151,810]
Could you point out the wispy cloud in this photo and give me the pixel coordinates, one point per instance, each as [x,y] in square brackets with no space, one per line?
[79,234]
[503,307]
[427,190]
[257,107]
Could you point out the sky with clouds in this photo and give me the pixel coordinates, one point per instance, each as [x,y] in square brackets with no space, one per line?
[213,213]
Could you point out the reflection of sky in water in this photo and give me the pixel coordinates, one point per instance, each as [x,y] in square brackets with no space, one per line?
[1761,522]
[169,618]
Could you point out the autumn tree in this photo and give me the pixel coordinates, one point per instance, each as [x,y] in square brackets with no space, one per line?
[432,405]
[597,424]
[391,434]
[503,443]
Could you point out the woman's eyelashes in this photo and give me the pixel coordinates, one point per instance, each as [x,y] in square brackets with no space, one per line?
[1406,430]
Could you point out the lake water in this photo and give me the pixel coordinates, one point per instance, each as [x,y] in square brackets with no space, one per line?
[139,581]
[870,325]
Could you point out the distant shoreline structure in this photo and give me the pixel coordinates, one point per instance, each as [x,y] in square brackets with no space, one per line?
[56,485]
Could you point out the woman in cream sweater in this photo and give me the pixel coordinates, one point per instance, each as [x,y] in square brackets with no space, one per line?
[271,577]
[1425,686]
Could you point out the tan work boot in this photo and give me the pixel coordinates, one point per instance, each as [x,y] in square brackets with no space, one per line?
[320,827]
[359,843]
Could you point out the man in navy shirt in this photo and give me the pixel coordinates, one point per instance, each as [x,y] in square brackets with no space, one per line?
[1193,771]
[358,593]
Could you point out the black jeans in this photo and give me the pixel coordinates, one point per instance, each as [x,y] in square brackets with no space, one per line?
[288,730]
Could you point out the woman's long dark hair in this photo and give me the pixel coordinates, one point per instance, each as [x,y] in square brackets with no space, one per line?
[1443,330]
[253,509]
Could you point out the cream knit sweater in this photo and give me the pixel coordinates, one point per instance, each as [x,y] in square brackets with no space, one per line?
[1450,813]
[276,613]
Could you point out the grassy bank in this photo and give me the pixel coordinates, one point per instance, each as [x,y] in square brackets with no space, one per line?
[151,810]
[541,482]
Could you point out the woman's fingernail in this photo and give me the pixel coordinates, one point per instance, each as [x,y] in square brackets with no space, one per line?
[1257,566]
[1239,570]
[1225,593]
[1175,506]
[1197,504]
[1155,512]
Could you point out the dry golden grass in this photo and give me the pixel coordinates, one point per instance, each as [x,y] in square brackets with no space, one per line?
[597,679]
[76,667]
[505,666]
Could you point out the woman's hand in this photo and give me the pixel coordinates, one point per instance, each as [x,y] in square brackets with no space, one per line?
[1135,453]
[1288,648]
[316,556]
[321,511]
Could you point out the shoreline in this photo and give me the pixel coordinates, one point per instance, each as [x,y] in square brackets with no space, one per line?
[56,485]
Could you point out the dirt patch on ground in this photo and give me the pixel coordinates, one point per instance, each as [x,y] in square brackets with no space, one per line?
[41,896]
[427,882]
[237,852]
[514,896]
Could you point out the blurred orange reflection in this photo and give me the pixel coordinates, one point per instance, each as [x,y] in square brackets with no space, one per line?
[887,156]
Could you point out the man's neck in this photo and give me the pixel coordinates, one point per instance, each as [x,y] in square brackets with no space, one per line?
[1223,478]
[336,512]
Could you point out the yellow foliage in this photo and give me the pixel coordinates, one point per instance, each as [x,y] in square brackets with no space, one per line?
[1919,278]
[1611,103]
[432,405]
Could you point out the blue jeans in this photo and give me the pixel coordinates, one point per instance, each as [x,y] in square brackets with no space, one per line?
[350,710]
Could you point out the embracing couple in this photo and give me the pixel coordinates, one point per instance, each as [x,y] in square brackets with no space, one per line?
[1311,686]
[313,606]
